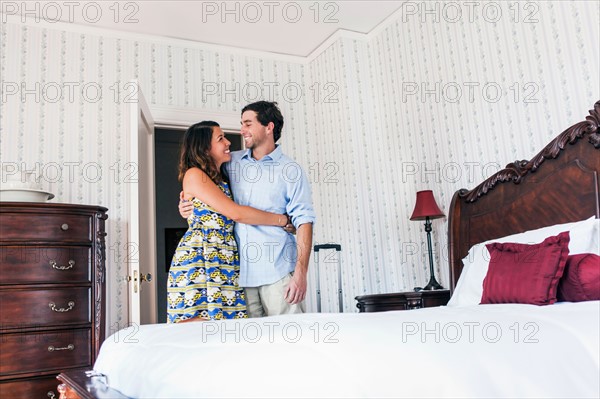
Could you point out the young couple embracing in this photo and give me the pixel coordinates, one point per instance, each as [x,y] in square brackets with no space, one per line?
[239,257]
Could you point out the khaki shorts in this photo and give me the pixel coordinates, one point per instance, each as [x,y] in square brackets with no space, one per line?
[268,300]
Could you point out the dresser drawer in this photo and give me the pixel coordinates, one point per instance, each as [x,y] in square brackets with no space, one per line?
[38,352]
[39,388]
[23,227]
[25,265]
[46,307]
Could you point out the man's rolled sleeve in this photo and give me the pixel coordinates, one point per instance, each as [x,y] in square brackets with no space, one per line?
[300,207]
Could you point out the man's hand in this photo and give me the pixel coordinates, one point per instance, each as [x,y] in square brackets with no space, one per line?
[185,207]
[296,289]
[289,227]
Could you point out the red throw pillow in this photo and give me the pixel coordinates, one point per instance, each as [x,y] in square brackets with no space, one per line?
[581,281]
[522,273]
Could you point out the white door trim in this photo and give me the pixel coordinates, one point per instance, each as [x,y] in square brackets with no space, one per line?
[141,245]
[172,117]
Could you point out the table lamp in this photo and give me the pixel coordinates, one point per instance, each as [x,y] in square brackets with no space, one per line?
[427,209]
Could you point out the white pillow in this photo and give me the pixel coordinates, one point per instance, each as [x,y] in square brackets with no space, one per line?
[584,238]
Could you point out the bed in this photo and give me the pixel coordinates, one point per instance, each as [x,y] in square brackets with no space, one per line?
[465,350]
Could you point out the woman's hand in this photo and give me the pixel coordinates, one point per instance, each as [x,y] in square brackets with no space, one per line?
[185,207]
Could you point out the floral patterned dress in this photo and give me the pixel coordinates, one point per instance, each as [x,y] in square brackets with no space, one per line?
[204,273]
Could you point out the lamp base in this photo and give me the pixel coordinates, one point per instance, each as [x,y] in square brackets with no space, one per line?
[433,285]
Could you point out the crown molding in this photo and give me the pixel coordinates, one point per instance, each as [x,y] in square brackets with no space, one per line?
[337,35]
[143,37]
[115,34]
[348,34]
[383,25]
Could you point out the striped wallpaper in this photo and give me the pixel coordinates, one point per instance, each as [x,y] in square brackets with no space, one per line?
[440,105]
[419,103]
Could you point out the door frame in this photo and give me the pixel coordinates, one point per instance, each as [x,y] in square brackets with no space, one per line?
[141,245]
[170,117]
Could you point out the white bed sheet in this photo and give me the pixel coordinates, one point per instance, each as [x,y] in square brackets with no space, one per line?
[470,352]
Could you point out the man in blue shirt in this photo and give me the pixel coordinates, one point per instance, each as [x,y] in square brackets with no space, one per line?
[273,263]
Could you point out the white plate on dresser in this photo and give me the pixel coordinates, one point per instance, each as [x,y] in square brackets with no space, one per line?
[25,195]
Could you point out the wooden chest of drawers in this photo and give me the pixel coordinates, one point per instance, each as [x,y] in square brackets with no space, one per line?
[52,294]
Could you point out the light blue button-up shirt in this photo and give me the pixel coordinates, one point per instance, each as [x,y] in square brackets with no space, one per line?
[276,183]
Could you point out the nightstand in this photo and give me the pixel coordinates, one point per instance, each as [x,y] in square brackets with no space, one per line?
[402,300]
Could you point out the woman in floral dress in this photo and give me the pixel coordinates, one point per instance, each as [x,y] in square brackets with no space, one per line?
[203,278]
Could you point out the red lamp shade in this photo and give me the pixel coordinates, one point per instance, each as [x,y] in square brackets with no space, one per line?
[426,206]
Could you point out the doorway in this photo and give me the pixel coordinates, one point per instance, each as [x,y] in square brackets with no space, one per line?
[170,226]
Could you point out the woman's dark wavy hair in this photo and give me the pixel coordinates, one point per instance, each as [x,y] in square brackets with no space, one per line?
[195,148]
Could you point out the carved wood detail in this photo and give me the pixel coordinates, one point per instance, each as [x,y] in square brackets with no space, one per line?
[566,189]
[517,170]
[100,287]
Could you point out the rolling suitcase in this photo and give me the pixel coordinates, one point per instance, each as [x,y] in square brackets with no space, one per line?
[338,248]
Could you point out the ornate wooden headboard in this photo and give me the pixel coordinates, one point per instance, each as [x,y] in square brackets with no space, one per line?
[559,185]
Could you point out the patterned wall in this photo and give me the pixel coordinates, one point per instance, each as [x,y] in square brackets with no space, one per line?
[411,106]
[440,100]
[64,117]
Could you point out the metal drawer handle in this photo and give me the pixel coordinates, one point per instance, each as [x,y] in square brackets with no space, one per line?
[414,303]
[54,265]
[60,310]
[69,347]
[64,227]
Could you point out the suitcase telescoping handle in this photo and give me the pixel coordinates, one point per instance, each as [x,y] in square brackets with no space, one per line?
[338,248]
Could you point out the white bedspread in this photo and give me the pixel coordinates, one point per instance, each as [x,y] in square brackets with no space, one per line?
[470,352]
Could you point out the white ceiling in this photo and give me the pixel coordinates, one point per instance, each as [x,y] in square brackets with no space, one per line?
[285,27]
